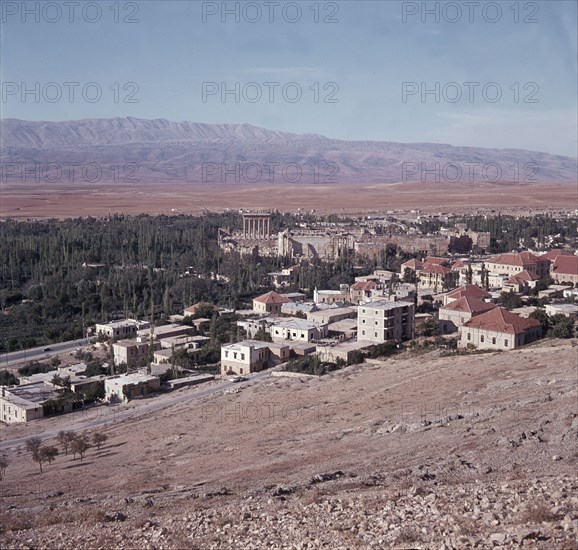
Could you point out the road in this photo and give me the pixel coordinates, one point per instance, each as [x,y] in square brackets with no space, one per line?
[98,416]
[36,354]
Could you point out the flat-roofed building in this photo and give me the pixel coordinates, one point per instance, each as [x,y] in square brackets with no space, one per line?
[19,404]
[125,328]
[251,356]
[125,387]
[383,320]
[332,315]
[130,352]
[297,329]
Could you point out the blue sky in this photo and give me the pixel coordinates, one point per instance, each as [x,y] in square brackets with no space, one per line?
[363,60]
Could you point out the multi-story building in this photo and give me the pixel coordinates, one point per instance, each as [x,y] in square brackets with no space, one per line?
[251,356]
[384,320]
[516,262]
[130,352]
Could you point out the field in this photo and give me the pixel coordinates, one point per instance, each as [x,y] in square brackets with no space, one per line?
[28,201]
[419,451]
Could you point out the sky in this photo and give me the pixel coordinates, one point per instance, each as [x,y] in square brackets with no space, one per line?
[489,74]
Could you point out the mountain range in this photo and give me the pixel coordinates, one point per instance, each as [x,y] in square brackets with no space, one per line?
[132,150]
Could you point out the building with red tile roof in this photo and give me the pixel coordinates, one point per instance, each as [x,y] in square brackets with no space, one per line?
[472,291]
[456,313]
[513,262]
[362,291]
[270,302]
[565,269]
[499,329]
[555,252]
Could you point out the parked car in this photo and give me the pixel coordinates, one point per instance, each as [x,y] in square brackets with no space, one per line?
[47,349]
[237,379]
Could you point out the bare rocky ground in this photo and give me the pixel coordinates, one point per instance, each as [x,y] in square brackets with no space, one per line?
[420,451]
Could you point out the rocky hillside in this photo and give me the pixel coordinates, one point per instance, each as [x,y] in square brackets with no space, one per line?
[420,451]
[175,152]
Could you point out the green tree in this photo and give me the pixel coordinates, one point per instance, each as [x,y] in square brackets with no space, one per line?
[79,446]
[65,439]
[99,439]
[561,327]
[4,463]
[46,454]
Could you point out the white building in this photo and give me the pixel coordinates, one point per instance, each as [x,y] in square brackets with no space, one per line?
[125,328]
[125,387]
[251,356]
[384,320]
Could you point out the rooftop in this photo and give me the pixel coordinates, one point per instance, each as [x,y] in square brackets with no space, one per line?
[469,304]
[271,297]
[502,320]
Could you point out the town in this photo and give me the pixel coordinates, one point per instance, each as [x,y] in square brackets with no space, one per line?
[415,281]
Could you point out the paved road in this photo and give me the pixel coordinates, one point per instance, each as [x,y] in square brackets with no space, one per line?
[104,414]
[35,354]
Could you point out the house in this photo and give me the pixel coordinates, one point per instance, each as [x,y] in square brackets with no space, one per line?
[332,315]
[130,352]
[456,313]
[343,330]
[126,328]
[270,302]
[413,265]
[251,356]
[499,329]
[515,262]
[554,253]
[166,331]
[295,296]
[362,291]
[201,306]
[383,320]
[297,329]
[565,269]
[521,282]
[435,276]
[283,278]
[341,350]
[472,291]
[331,296]
[20,404]
[125,387]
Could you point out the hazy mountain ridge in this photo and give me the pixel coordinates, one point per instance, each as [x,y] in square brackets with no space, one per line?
[168,151]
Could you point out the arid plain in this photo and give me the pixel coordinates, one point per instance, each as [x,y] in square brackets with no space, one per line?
[60,201]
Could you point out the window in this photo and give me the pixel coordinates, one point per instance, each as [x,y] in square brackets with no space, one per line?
[363,321]
[363,332]
[376,323]
[375,334]
[482,338]
[226,354]
[469,336]
[493,340]
[242,356]
[506,343]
